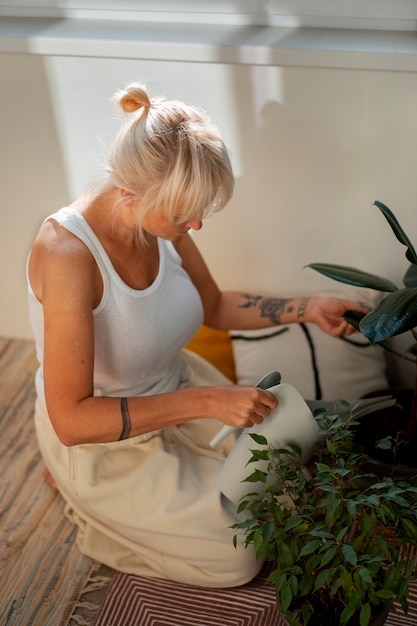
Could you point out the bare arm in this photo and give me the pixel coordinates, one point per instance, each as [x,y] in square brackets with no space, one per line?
[239,310]
[67,283]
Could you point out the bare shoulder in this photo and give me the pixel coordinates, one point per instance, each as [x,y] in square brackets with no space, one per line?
[58,257]
[56,239]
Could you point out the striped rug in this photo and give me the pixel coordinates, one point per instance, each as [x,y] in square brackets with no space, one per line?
[42,573]
[138,601]
[134,601]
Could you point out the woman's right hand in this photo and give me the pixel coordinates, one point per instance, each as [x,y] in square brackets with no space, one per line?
[240,406]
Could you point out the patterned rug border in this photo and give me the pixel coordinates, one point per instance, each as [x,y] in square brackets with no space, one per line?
[133,600]
[138,601]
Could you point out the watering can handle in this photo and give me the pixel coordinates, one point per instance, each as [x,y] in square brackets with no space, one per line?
[269,380]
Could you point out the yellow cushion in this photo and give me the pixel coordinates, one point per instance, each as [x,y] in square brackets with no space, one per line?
[216,347]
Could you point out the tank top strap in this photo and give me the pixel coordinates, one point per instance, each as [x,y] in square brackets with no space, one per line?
[78,226]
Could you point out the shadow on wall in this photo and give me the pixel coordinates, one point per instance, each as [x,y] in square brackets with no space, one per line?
[33,181]
[313,156]
[284,174]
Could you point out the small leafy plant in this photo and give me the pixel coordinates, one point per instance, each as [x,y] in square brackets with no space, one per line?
[395,314]
[335,534]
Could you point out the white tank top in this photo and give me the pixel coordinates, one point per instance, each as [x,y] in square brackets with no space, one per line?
[138,334]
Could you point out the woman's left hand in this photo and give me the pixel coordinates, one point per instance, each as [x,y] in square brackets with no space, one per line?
[327,313]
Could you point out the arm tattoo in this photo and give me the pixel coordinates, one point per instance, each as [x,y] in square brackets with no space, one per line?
[127,426]
[274,308]
[302,308]
[250,301]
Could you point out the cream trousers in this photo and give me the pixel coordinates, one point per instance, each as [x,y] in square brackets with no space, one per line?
[149,505]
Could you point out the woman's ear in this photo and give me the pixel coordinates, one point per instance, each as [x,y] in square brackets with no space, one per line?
[126,196]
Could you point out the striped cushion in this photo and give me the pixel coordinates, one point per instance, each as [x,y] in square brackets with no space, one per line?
[138,601]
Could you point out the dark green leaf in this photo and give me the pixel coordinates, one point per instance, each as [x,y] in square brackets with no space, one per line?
[373,500]
[323,577]
[333,505]
[366,524]
[259,455]
[385,594]
[410,277]
[285,596]
[321,533]
[409,527]
[277,577]
[310,547]
[342,533]
[293,582]
[347,613]
[397,497]
[296,522]
[396,314]
[349,553]
[242,506]
[353,276]
[285,556]
[306,584]
[260,439]
[354,317]
[328,556]
[365,615]
[365,575]
[398,231]
[322,467]
[306,613]
[351,507]
[384,444]
[268,530]
[256,477]
[277,453]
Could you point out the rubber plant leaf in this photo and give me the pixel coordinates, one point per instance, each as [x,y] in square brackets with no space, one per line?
[410,277]
[398,231]
[353,276]
[354,317]
[396,314]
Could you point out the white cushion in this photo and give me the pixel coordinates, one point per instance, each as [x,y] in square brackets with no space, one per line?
[319,366]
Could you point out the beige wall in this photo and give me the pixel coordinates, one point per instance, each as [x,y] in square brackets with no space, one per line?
[312,149]
[32,177]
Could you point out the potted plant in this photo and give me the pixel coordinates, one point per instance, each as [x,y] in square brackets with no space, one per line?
[395,314]
[333,533]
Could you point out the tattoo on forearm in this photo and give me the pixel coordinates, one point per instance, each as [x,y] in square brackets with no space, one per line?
[250,301]
[272,308]
[127,426]
[302,308]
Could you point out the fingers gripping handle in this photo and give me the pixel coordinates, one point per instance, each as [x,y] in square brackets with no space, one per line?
[269,380]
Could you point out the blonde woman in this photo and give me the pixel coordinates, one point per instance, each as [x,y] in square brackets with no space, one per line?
[124,415]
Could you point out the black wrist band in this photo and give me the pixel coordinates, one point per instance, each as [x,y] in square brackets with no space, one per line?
[127,426]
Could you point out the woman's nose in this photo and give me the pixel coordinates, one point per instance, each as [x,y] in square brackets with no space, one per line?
[195,224]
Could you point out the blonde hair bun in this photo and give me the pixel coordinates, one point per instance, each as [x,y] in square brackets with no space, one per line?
[134,97]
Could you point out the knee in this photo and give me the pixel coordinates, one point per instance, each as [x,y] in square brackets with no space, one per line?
[237,567]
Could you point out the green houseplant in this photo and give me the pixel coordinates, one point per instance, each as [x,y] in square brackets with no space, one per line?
[395,314]
[333,532]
